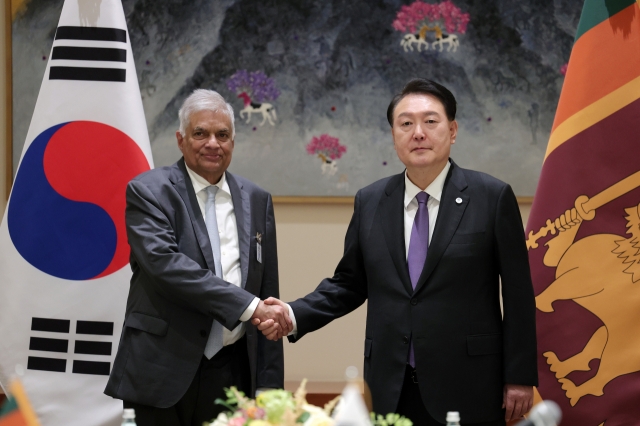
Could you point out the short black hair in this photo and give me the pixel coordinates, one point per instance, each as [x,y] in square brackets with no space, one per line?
[426,87]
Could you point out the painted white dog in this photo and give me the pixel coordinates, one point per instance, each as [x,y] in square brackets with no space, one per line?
[409,40]
[450,39]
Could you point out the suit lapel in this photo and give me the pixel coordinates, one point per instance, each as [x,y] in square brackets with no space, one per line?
[449,216]
[242,210]
[391,219]
[182,184]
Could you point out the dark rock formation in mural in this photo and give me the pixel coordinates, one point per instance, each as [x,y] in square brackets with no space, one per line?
[335,65]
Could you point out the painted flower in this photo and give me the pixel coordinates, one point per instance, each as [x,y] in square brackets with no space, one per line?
[326,146]
[410,17]
[256,84]
[563,69]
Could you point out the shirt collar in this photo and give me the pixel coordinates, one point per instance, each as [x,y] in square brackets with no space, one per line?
[199,183]
[434,189]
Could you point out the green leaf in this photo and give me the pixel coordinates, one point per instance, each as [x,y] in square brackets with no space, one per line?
[303,417]
[224,403]
[391,419]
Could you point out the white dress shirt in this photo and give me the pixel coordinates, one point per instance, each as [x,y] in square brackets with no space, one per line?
[229,244]
[410,208]
[434,190]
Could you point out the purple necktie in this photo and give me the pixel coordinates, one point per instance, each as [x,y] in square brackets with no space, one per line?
[418,246]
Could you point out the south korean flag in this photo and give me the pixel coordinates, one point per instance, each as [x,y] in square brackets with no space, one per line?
[63,246]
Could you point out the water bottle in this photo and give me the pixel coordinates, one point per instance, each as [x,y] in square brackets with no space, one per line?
[129,417]
[453,418]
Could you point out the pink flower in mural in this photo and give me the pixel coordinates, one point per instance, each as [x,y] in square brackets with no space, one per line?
[447,14]
[563,69]
[419,19]
[328,150]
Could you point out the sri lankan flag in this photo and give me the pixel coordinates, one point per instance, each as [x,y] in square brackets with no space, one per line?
[583,233]
[16,410]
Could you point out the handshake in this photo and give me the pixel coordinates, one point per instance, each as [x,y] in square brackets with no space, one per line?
[272,318]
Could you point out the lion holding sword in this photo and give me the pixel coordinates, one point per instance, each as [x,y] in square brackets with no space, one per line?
[601,273]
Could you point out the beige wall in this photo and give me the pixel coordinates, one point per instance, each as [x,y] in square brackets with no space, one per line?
[310,240]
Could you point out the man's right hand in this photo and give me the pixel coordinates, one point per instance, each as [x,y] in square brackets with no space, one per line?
[272,318]
[269,327]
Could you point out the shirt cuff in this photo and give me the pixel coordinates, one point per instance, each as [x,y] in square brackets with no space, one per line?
[248,313]
[293,320]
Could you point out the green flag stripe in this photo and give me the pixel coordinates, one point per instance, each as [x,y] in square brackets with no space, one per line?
[8,407]
[596,11]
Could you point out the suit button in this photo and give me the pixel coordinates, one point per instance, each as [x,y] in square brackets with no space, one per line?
[414,301]
[405,340]
[203,333]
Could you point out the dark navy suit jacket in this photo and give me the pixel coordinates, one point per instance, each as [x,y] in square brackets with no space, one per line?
[464,350]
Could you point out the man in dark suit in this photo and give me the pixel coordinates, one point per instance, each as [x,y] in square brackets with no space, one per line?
[203,254]
[427,249]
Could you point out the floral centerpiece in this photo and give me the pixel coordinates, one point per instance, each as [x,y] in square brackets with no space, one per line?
[282,408]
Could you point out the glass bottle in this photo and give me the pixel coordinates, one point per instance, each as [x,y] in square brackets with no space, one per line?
[129,417]
[453,418]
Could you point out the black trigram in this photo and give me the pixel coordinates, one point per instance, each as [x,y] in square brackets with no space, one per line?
[84,53]
[61,345]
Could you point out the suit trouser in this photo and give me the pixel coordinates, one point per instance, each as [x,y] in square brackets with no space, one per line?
[229,367]
[412,407]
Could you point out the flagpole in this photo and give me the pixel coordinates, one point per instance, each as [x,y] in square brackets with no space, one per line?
[8,101]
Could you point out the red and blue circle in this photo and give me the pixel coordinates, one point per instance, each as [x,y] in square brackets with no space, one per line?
[67,205]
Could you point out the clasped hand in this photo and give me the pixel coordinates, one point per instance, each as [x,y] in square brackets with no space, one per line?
[272,318]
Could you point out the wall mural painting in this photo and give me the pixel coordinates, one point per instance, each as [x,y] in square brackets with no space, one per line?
[310,80]
[429,20]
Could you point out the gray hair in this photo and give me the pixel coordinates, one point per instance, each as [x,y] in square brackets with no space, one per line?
[204,100]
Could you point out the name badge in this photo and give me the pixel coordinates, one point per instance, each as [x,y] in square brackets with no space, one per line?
[259,247]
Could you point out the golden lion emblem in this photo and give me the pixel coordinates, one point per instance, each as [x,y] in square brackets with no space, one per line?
[601,273]
[598,272]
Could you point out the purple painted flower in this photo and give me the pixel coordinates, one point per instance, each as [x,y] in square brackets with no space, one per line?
[256,84]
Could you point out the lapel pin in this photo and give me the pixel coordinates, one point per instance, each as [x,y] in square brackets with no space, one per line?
[458,200]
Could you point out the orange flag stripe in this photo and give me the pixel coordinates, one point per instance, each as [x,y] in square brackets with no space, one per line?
[593,113]
[24,406]
[603,59]
[13,419]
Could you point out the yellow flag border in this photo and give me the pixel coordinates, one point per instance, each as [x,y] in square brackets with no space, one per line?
[592,114]
[18,392]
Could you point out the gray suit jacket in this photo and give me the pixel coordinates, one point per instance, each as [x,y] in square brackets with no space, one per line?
[175,296]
